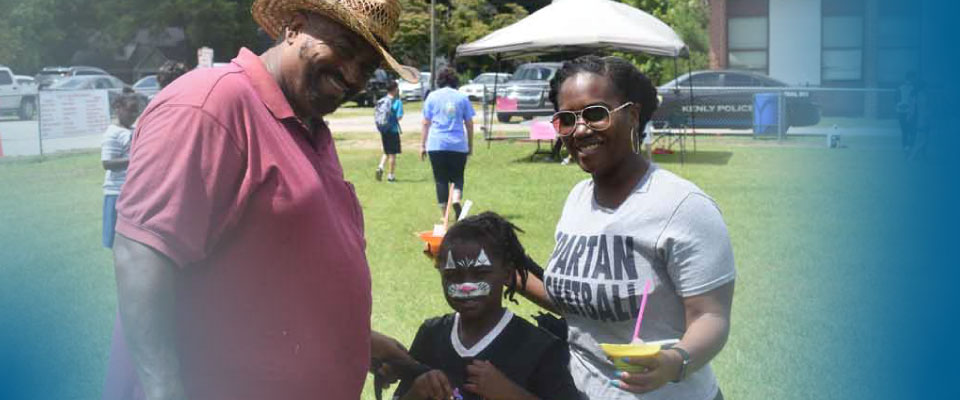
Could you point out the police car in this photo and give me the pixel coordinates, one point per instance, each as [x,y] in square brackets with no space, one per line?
[725,99]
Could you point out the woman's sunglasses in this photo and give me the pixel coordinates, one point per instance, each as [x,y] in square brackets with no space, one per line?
[596,118]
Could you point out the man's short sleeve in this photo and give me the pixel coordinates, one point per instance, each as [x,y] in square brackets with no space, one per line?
[398,108]
[112,147]
[467,109]
[428,109]
[183,184]
[697,247]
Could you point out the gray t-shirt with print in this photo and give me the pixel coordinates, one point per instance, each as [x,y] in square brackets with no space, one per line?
[667,231]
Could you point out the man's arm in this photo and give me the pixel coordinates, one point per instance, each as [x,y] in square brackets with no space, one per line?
[469,125]
[145,293]
[116,165]
[424,133]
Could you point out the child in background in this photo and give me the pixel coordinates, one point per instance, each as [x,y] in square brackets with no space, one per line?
[388,113]
[115,156]
[482,351]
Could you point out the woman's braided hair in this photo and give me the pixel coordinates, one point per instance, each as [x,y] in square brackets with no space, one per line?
[499,238]
[628,81]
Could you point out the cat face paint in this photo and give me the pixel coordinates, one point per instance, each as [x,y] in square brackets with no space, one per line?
[468,290]
[481,261]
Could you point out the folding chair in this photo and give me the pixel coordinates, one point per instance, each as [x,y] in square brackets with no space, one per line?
[542,130]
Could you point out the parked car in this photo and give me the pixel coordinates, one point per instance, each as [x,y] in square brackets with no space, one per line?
[50,75]
[415,91]
[147,86]
[484,82]
[18,94]
[25,80]
[112,84]
[529,87]
[375,89]
[725,99]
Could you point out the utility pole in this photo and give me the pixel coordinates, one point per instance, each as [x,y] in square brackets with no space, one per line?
[433,45]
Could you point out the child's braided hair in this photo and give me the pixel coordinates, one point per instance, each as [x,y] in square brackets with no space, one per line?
[499,239]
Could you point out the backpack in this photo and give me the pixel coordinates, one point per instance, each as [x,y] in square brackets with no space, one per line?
[383,114]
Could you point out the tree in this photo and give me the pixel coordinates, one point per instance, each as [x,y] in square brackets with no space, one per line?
[690,19]
[29,28]
[458,22]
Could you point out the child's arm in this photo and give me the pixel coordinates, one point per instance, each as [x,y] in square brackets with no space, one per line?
[487,381]
[112,152]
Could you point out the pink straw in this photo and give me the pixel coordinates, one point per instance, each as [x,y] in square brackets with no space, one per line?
[643,304]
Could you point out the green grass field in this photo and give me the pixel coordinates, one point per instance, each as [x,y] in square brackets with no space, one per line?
[780,200]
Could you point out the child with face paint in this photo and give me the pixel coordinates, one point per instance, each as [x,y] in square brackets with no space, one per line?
[482,351]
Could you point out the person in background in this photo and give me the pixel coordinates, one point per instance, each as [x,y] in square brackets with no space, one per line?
[906,110]
[388,113]
[447,136]
[921,121]
[115,156]
[170,71]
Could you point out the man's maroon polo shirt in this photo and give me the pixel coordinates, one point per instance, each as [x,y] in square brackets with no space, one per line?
[273,298]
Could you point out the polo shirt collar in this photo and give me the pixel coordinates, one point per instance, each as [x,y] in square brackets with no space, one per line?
[264,84]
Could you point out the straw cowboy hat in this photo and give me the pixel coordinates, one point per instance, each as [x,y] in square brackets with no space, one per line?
[373,20]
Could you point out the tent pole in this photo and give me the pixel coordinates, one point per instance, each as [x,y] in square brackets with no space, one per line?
[693,117]
[676,73]
[493,107]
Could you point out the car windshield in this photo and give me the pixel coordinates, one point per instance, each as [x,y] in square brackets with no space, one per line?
[54,72]
[533,74]
[485,79]
[148,82]
[72,84]
[380,75]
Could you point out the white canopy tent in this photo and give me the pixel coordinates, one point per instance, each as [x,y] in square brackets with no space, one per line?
[577,25]
[580,26]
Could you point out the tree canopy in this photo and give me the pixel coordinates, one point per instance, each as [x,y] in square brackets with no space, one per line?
[37,33]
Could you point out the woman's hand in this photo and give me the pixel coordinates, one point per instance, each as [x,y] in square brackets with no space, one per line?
[432,385]
[658,371]
[487,381]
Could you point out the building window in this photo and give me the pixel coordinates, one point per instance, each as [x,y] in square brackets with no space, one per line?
[898,44]
[842,41]
[748,43]
[748,34]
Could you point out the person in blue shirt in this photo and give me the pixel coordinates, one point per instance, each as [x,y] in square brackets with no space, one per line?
[447,136]
[390,136]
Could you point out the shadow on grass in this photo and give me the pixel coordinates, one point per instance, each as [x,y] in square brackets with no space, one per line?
[700,157]
[407,180]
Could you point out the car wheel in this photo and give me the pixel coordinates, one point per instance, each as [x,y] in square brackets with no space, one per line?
[527,117]
[503,118]
[28,109]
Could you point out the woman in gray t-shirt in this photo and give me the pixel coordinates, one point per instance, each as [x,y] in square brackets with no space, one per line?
[630,223]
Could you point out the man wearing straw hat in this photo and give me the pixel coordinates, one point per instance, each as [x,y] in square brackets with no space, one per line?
[240,260]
